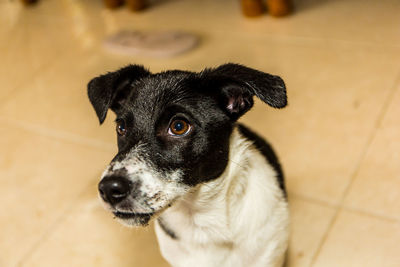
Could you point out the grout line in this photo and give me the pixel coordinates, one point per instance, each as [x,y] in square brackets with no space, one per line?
[331,205]
[375,215]
[377,126]
[313,200]
[325,236]
[61,135]
[374,131]
[54,226]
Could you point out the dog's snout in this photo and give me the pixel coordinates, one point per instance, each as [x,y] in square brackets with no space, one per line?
[114,189]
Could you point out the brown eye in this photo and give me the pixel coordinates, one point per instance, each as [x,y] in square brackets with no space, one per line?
[179,127]
[121,130]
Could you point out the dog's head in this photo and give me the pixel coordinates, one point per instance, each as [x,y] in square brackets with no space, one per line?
[173,130]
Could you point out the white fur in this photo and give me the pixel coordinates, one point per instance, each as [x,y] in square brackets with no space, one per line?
[239,219]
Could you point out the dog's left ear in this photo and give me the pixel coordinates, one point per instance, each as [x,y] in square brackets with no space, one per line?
[238,84]
[109,90]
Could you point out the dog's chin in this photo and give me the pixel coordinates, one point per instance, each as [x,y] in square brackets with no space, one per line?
[133,219]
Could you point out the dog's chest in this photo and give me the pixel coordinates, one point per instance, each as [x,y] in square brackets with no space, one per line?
[214,241]
[196,246]
[201,230]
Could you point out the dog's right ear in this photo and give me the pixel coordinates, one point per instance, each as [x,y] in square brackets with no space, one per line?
[238,84]
[106,90]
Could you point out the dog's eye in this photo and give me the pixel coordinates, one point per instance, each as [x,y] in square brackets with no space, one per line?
[121,130]
[179,127]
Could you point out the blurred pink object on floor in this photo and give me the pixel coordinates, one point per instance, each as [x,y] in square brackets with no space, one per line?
[152,43]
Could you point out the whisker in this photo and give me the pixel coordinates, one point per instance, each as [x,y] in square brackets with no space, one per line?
[241,166]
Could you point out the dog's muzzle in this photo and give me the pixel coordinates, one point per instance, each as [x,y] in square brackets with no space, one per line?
[114,189]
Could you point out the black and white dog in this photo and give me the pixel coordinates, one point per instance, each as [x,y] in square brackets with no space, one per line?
[215,187]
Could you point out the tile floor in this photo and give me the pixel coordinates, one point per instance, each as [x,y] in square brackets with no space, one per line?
[338,140]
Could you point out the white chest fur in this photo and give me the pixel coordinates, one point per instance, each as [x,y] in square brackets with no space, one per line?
[239,219]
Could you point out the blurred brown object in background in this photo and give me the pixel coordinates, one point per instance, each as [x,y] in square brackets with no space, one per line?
[279,8]
[113,3]
[136,5]
[252,8]
[28,2]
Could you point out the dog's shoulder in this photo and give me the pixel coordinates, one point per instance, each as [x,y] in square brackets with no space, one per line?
[266,150]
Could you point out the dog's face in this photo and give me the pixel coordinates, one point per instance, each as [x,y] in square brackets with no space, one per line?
[173,131]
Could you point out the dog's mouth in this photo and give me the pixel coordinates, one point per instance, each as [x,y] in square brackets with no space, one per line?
[132,215]
[132,219]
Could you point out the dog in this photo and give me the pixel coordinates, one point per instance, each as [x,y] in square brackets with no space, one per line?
[213,186]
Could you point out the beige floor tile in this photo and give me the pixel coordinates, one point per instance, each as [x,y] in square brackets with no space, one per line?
[39,178]
[89,236]
[309,222]
[17,63]
[377,186]
[29,42]
[57,99]
[333,105]
[359,240]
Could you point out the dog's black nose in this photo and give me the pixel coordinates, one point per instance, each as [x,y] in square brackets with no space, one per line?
[114,189]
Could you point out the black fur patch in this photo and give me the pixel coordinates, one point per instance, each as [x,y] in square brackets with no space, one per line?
[166,229]
[267,151]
